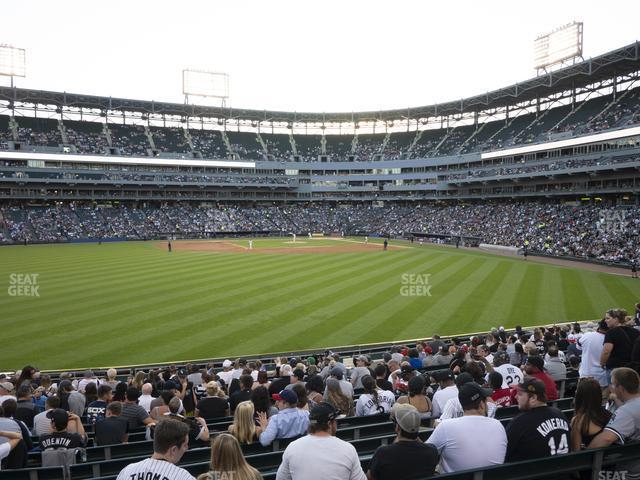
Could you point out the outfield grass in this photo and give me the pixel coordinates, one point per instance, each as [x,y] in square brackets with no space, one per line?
[130,303]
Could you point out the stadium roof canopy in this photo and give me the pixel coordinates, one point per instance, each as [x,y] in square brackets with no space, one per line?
[620,62]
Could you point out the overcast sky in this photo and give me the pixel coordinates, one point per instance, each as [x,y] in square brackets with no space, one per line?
[329,55]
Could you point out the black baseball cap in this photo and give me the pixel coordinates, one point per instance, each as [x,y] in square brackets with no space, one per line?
[469,393]
[59,416]
[463,378]
[534,386]
[323,413]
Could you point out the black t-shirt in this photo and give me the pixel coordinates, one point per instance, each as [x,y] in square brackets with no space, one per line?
[239,396]
[278,384]
[96,411]
[384,384]
[622,339]
[61,440]
[111,430]
[404,460]
[25,411]
[536,433]
[212,407]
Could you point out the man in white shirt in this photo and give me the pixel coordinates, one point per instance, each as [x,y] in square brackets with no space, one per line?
[457,439]
[145,399]
[42,424]
[591,344]
[320,455]
[453,408]
[226,374]
[170,442]
[446,391]
[511,375]
[12,440]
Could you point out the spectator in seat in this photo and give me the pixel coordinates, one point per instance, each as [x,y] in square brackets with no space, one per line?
[554,366]
[244,427]
[59,436]
[112,429]
[330,457]
[198,429]
[262,402]
[500,396]
[447,390]
[590,416]
[227,461]
[407,457]
[97,409]
[170,442]
[416,396]
[8,441]
[373,401]
[456,439]
[145,399]
[289,422]
[335,396]
[246,381]
[359,371]
[381,374]
[134,413]
[535,368]
[539,430]
[281,382]
[315,389]
[215,404]
[25,408]
[624,426]
[42,424]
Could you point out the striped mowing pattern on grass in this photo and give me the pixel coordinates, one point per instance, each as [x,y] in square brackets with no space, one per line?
[129,303]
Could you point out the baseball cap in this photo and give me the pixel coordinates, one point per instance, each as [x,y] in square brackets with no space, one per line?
[533,385]
[337,372]
[298,373]
[171,385]
[536,361]
[463,378]
[406,369]
[227,363]
[8,386]
[311,360]
[288,396]
[323,413]
[471,392]
[59,416]
[406,417]
[442,375]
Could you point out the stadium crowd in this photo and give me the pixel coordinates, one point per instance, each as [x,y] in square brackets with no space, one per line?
[447,392]
[589,231]
[590,116]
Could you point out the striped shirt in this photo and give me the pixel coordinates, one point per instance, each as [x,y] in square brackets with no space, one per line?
[153,469]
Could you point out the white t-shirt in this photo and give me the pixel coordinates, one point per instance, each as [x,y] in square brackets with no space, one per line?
[453,409]
[440,399]
[469,442]
[153,467]
[591,344]
[226,377]
[5,450]
[145,402]
[331,459]
[367,406]
[511,375]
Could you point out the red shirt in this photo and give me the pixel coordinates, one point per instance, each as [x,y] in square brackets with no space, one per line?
[549,383]
[502,397]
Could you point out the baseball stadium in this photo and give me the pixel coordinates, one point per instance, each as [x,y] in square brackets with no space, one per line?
[167,238]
